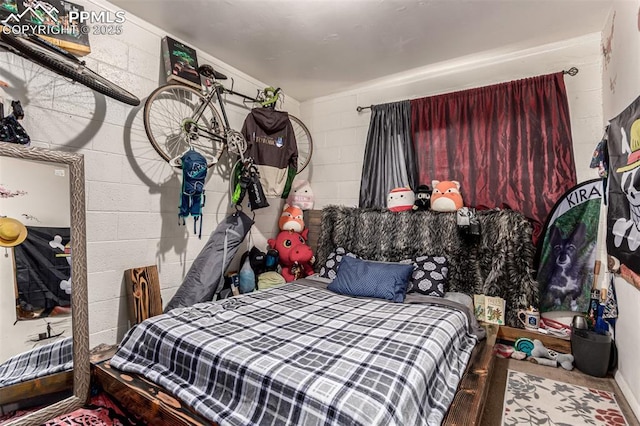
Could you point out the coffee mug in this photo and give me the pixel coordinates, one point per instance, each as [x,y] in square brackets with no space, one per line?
[529,318]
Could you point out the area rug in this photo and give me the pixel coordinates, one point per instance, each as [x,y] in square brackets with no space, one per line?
[533,400]
[101,411]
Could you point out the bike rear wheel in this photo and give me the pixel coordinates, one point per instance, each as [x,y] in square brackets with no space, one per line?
[55,59]
[172,126]
[304,142]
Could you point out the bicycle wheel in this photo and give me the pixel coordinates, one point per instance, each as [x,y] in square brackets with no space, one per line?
[61,62]
[304,142]
[172,129]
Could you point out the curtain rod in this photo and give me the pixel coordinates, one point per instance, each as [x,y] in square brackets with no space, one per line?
[571,71]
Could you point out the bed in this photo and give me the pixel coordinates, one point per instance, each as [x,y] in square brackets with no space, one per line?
[301,354]
[40,372]
[54,357]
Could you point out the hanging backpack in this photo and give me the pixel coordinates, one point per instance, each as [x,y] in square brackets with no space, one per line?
[10,128]
[194,172]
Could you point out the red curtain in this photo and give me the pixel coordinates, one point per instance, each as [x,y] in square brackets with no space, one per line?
[509,145]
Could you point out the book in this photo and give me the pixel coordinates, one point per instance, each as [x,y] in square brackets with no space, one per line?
[489,308]
[180,62]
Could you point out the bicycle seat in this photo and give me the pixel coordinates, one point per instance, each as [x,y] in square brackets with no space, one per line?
[208,71]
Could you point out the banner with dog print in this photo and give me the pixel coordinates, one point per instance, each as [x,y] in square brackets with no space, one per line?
[623,220]
[567,254]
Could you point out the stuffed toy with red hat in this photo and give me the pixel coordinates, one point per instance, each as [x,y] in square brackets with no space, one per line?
[446,196]
[400,199]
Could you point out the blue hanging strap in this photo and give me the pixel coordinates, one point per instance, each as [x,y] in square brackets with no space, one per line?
[194,173]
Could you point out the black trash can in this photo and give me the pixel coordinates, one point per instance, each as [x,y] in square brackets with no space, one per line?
[591,351]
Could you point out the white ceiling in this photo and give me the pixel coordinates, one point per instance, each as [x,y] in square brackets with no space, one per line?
[312,48]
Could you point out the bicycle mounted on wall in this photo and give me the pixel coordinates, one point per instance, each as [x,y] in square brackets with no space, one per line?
[178,118]
[62,62]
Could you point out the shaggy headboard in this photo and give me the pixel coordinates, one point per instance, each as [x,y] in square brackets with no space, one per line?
[499,263]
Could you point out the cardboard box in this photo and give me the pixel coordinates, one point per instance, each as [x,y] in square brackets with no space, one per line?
[180,62]
[54,15]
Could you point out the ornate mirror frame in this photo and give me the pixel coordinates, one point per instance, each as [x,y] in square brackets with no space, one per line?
[80,323]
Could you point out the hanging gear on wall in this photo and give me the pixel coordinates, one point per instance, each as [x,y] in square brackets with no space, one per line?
[10,128]
[271,142]
[192,198]
[247,180]
[205,277]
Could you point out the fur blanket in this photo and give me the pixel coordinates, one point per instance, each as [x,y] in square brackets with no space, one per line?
[499,263]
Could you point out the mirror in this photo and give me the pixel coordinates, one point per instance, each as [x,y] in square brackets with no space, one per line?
[36,194]
[46,310]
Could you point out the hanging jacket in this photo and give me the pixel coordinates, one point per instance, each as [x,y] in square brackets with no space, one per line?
[271,142]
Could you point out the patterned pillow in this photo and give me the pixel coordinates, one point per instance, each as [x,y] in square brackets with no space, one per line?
[429,275]
[330,267]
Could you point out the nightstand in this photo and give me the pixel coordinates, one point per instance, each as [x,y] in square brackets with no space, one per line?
[511,334]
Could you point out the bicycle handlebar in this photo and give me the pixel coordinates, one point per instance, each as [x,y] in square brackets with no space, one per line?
[270,95]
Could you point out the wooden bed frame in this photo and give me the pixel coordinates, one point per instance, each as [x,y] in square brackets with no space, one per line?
[156,406]
[36,388]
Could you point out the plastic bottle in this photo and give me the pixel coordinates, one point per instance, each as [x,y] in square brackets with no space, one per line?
[247,278]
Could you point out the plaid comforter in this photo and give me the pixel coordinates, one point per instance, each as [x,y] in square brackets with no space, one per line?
[44,360]
[298,355]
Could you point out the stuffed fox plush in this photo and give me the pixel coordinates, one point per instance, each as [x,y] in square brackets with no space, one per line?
[291,219]
[446,196]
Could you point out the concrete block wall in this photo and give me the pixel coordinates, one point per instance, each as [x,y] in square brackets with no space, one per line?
[621,86]
[132,195]
[339,131]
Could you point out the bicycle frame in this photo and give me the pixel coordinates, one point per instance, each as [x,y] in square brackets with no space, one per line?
[217,89]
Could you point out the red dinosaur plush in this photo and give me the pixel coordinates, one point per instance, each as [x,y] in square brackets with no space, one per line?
[296,256]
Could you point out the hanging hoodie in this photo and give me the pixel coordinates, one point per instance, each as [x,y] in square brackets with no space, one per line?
[271,143]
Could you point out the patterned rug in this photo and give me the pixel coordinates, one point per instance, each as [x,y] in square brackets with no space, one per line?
[101,411]
[533,400]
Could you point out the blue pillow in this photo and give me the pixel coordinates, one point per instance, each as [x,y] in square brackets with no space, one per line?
[366,278]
